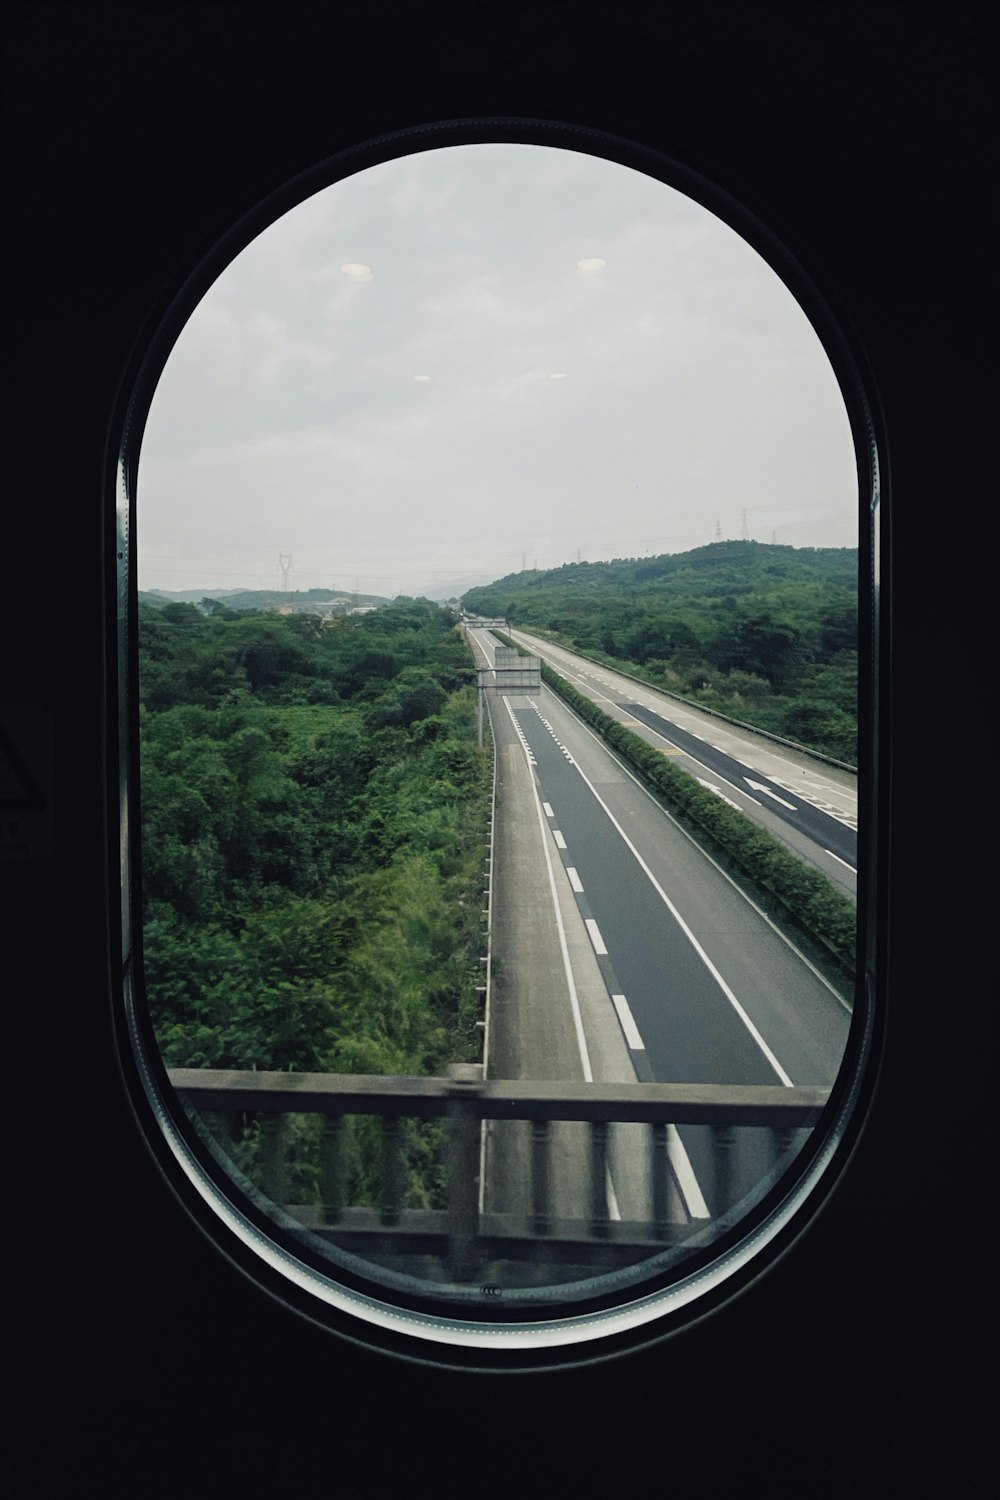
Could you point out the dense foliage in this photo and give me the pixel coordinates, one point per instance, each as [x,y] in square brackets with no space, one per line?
[764,634]
[314,811]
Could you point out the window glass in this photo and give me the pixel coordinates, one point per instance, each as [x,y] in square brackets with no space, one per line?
[496,651]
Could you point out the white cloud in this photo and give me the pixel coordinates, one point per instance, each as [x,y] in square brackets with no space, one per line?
[293,414]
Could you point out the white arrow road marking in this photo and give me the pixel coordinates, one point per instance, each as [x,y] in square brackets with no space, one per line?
[759,786]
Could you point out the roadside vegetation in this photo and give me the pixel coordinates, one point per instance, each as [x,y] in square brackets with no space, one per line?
[314,813]
[315,809]
[764,634]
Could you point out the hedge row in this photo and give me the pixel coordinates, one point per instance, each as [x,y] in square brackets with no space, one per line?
[808,897]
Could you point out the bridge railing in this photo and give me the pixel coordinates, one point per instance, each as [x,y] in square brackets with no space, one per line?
[461,1238]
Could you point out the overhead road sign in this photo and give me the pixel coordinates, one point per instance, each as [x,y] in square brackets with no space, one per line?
[512,673]
[510,676]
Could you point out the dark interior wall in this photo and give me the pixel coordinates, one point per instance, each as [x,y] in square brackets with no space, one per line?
[865,135]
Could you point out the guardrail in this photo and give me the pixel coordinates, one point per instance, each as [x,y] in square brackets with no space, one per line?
[463,1238]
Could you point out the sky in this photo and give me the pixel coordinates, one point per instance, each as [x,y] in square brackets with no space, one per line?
[480,358]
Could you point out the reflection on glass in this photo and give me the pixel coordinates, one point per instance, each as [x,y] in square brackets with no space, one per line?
[527,972]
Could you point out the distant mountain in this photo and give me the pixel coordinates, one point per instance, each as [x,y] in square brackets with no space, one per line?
[454,590]
[764,634]
[188,596]
[721,570]
[301,601]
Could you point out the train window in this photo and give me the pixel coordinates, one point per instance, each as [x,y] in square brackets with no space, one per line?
[497,549]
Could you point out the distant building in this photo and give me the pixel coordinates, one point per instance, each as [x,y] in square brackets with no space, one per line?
[324,608]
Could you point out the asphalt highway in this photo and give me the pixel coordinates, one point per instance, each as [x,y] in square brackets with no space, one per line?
[695,982]
[836,837]
[810,806]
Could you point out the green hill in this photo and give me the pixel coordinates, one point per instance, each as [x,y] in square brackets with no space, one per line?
[765,634]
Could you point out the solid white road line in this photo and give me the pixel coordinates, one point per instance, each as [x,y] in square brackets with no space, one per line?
[686,1180]
[781,936]
[840,861]
[724,987]
[574,998]
[624,685]
[629,1027]
[676,750]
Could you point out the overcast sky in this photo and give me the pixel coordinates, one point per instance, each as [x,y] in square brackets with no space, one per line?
[409,380]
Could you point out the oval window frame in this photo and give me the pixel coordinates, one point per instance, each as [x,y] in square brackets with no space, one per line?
[356,1306]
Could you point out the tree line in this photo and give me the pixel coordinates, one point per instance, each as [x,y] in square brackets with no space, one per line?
[314,813]
[765,634]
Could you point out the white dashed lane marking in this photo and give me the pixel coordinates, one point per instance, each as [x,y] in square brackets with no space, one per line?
[629,1027]
[523,738]
[558,741]
[595,935]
